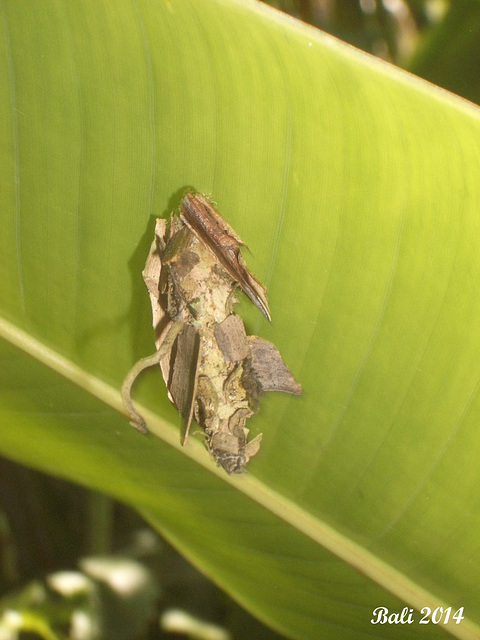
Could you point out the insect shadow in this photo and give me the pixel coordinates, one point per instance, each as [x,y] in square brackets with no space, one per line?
[139,312]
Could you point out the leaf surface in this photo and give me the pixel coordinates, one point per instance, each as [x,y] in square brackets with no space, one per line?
[356,187]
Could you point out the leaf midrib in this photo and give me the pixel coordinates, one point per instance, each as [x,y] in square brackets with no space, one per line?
[274,502]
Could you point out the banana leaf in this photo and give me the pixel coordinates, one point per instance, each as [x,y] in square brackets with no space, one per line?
[356,187]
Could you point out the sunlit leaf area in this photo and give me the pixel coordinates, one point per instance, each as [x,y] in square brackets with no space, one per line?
[340,142]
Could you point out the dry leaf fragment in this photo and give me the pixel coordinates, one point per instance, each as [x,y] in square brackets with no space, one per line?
[231,338]
[214,373]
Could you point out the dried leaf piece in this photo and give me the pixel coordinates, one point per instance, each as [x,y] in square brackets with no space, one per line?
[183,383]
[202,217]
[266,366]
[231,338]
[214,373]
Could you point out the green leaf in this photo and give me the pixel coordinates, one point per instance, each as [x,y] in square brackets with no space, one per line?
[356,187]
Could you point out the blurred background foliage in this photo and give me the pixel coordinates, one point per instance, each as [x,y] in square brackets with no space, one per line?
[67,555]
[438,40]
[75,564]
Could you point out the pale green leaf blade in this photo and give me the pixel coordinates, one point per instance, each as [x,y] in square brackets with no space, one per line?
[356,187]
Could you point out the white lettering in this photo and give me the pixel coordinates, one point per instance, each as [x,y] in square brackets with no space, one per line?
[458,617]
[406,616]
[383,616]
[381,613]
